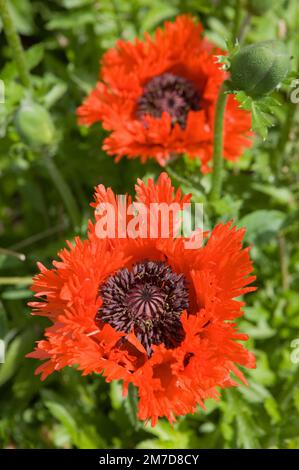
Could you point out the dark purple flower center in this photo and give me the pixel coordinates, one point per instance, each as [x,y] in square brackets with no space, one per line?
[147,300]
[168,93]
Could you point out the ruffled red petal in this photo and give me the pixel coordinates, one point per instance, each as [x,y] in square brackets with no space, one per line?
[172,381]
[181,50]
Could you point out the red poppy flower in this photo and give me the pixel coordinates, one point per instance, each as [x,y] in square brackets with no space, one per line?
[157,98]
[148,311]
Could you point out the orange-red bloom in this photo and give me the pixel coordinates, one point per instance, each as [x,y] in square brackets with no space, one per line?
[157,98]
[149,312]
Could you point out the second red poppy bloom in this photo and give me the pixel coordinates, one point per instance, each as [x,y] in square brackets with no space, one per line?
[157,98]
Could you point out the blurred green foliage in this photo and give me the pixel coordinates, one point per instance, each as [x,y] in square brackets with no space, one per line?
[64,39]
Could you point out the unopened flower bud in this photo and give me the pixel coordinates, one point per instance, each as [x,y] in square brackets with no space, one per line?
[34,125]
[258,69]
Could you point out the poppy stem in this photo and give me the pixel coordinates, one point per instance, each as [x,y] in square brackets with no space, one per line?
[64,191]
[285,137]
[237,19]
[284,262]
[244,28]
[180,179]
[7,252]
[218,144]
[15,44]
[132,405]
[22,281]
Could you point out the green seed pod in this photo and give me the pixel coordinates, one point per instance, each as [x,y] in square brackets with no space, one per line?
[260,7]
[258,69]
[34,125]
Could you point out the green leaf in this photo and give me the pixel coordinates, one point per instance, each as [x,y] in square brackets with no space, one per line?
[255,392]
[22,14]
[34,55]
[13,294]
[272,409]
[262,329]
[15,352]
[247,430]
[116,394]
[247,436]
[3,322]
[131,406]
[281,195]
[262,111]
[64,417]
[169,436]
[73,20]
[70,4]
[157,14]
[83,435]
[262,223]
[260,121]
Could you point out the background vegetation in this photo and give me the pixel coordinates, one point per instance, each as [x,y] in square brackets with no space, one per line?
[45,199]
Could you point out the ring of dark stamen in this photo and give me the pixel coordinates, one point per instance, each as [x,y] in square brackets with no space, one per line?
[168,93]
[148,300]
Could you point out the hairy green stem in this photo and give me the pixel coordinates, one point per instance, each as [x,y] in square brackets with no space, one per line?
[180,179]
[64,191]
[117,19]
[22,281]
[244,28]
[237,19]
[8,252]
[14,43]
[218,144]
[284,138]
[284,262]
[40,236]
